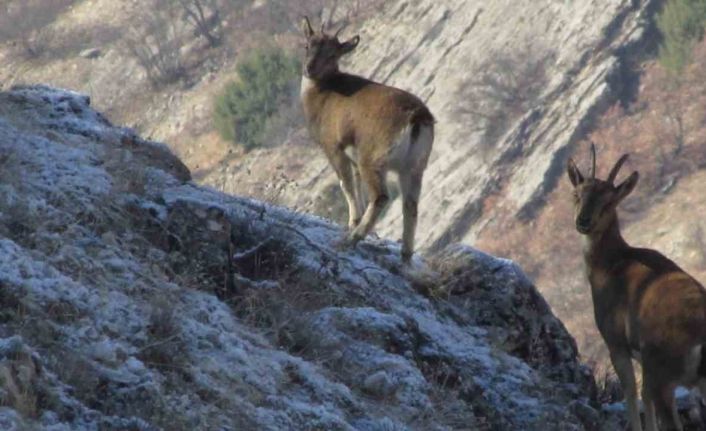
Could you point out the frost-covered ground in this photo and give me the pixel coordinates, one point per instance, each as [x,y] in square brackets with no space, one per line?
[131,298]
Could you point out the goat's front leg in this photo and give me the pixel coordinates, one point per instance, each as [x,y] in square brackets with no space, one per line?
[626,374]
[346,179]
[359,193]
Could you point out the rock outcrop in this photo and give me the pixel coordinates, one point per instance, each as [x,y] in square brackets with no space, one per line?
[131,298]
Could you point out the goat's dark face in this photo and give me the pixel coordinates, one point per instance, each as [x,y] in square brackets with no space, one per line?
[595,200]
[324,51]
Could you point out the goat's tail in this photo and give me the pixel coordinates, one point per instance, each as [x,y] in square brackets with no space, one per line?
[421,117]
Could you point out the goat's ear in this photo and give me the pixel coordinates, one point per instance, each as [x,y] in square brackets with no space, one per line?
[350,44]
[574,174]
[627,186]
[306,28]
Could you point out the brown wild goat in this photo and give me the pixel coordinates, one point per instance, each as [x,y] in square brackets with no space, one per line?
[365,129]
[645,306]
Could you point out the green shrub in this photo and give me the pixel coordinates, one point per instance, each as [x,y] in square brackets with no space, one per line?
[681,23]
[243,109]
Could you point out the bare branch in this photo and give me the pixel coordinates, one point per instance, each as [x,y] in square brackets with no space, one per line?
[204,16]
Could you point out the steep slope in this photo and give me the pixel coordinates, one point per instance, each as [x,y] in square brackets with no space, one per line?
[135,299]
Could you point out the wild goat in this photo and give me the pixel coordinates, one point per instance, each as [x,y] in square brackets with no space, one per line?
[645,306]
[365,129]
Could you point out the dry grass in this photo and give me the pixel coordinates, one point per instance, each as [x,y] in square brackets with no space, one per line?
[608,389]
[164,350]
[448,393]
[281,310]
[19,391]
[22,385]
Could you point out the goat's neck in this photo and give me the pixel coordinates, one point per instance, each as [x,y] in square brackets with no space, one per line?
[310,85]
[307,85]
[601,248]
[312,96]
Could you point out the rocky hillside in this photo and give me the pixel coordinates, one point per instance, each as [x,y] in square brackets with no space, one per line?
[438,50]
[132,298]
[495,177]
[499,185]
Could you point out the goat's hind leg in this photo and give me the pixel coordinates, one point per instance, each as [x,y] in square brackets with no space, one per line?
[410,186]
[359,193]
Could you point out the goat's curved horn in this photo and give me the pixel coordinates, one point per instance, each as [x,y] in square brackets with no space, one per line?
[616,168]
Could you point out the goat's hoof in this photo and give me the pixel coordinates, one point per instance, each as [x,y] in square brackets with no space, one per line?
[353,224]
[350,241]
[407,257]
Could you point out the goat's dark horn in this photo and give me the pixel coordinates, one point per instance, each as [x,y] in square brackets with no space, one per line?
[616,168]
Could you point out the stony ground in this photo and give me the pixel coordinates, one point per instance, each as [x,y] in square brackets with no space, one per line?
[134,299]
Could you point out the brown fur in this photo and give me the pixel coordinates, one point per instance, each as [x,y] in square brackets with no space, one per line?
[349,112]
[645,306]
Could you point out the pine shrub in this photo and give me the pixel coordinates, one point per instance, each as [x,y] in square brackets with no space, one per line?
[681,23]
[242,111]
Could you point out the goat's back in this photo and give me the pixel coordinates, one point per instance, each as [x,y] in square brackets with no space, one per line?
[347,110]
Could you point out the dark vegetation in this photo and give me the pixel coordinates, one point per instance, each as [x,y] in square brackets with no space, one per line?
[267,83]
[681,23]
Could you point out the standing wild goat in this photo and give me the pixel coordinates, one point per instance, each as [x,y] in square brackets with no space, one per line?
[365,129]
[645,306]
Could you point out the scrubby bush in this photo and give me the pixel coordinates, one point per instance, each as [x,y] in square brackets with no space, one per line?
[204,17]
[245,107]
[24,22]
[154,40]
[681,23]
[507,86]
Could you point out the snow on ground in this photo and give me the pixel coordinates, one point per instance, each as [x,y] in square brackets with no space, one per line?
[131,298]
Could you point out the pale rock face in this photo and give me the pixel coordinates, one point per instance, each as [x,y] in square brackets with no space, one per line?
[431,48]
